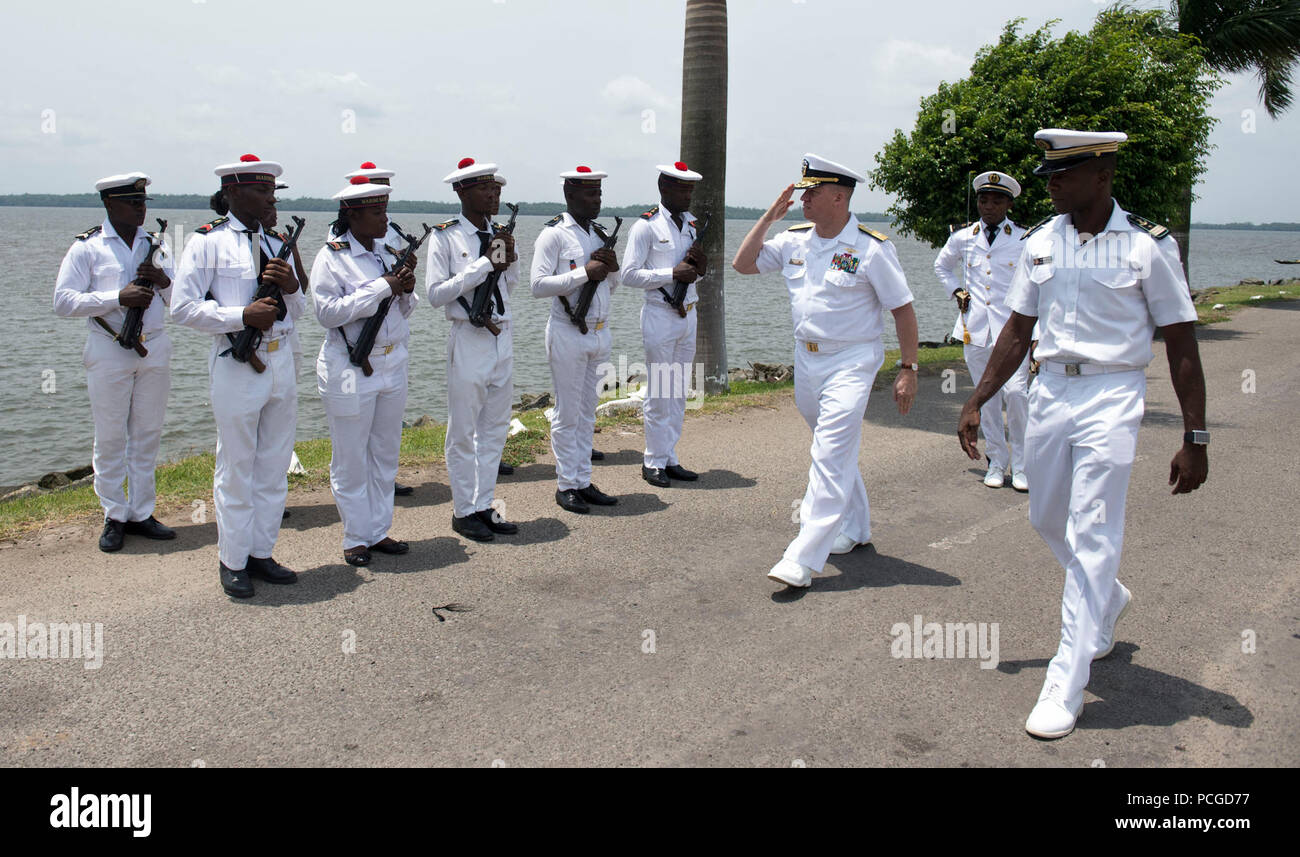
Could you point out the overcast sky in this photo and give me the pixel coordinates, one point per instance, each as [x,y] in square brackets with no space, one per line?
[538,86]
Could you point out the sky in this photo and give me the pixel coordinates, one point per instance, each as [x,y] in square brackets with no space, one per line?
[176,88]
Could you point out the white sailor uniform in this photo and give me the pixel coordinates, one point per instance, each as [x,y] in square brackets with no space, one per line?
[576,359]
[655,245]
[256,413]
[967,261]
[128,393]
[1097,306]
[364,412]
[480,366]
[839,291]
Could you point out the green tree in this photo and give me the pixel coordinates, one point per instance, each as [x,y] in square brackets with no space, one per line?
[1128,73]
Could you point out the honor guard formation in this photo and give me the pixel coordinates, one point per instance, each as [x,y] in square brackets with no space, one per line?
[1079,296]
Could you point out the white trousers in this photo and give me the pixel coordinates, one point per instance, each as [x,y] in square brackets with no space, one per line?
[1080,446]
[831,391]
[480,390]
[1015,396]
[256,418]
[669,352]
[128,401]
[365,420]
[576,361]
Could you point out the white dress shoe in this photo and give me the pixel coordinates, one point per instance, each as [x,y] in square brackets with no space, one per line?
[1107,643]
[1052,717]
[1019,480]
[994,478]
[844,544]
[791,573]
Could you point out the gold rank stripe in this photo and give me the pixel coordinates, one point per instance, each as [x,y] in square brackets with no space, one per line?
[1074,151]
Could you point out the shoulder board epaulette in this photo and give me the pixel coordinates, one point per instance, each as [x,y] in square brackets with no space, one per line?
[879,236]
[1155,230]
[444,225]
[279,236]
[89,232]
[337,245]
[555,221]
[800,227]
[1037,226]
[957,227]
[211,225]
[649,214]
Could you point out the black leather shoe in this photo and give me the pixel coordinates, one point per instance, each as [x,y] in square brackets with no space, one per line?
[111,539]
[471,528]
[504,469]
[285,515]
[571,501]
[503,526]
[655,476]
[236,583]
[400,490]
[390,546]
[150,528]
[269,570]
[596,497]
[676,471]
[597,455]
[356,557]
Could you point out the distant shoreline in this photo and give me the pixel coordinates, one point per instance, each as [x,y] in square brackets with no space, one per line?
[198,202]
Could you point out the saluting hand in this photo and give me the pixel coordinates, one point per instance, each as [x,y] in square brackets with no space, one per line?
[1189,469]
[261,313]
[279,274]
[968,430]
[782,205]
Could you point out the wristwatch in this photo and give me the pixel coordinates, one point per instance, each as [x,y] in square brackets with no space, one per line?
[913,366]
[1198,437]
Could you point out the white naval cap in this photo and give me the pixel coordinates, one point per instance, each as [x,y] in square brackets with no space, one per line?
[1063,148]
[469,172]
[374,174]
[125,186]
[500,179]
[361,193]
[584,175]
[679,171]
[817,170]
[994,180]
[249,169]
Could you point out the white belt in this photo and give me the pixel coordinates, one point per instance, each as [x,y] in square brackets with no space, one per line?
[144,337]
[826,346]
[272,345]
[1057,368]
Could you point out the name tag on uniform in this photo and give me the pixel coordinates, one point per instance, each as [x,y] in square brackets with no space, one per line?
[845,262]
[796,261]
[663,240]
[1042,260]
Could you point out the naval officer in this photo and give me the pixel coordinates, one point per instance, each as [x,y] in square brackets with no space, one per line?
[107,271]
[661,252]
[841,276]
[464,254]
[256,412]
[975,267]
[569,255]
[1099,281]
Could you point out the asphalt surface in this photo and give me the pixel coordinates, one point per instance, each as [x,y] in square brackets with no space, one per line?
[648,634]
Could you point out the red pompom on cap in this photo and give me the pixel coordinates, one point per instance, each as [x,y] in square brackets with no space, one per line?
[681,165]
[465,162]
[369,165]
[583,169]
[360,180]
[247,159]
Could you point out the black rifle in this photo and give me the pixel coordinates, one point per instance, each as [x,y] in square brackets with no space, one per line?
[359,354]
[579,313]
[480,313]
[678,298]
[133,325]
[243,346]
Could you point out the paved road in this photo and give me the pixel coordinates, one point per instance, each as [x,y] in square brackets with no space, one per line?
[550,665]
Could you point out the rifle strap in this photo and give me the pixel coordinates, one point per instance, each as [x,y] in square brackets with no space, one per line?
[667,296]
[230,336]
[568,310]
[111,332]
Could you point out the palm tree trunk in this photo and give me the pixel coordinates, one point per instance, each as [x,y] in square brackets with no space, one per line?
[1181,227]
[704,148]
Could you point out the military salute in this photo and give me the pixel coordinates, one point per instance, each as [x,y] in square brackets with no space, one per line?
[841,277]
[363,298]
[108,275]
[1099,281]
[573,266]
[256,411]
[975,267]
[661,253]
[472,263]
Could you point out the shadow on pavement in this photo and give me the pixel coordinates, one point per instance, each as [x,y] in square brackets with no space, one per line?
[714,480]
[536,532]
[425,555]
[315,585]
[865,568]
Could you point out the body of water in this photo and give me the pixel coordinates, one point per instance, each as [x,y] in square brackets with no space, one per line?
[54,431]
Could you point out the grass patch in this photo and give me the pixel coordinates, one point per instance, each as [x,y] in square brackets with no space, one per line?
[1234,298]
